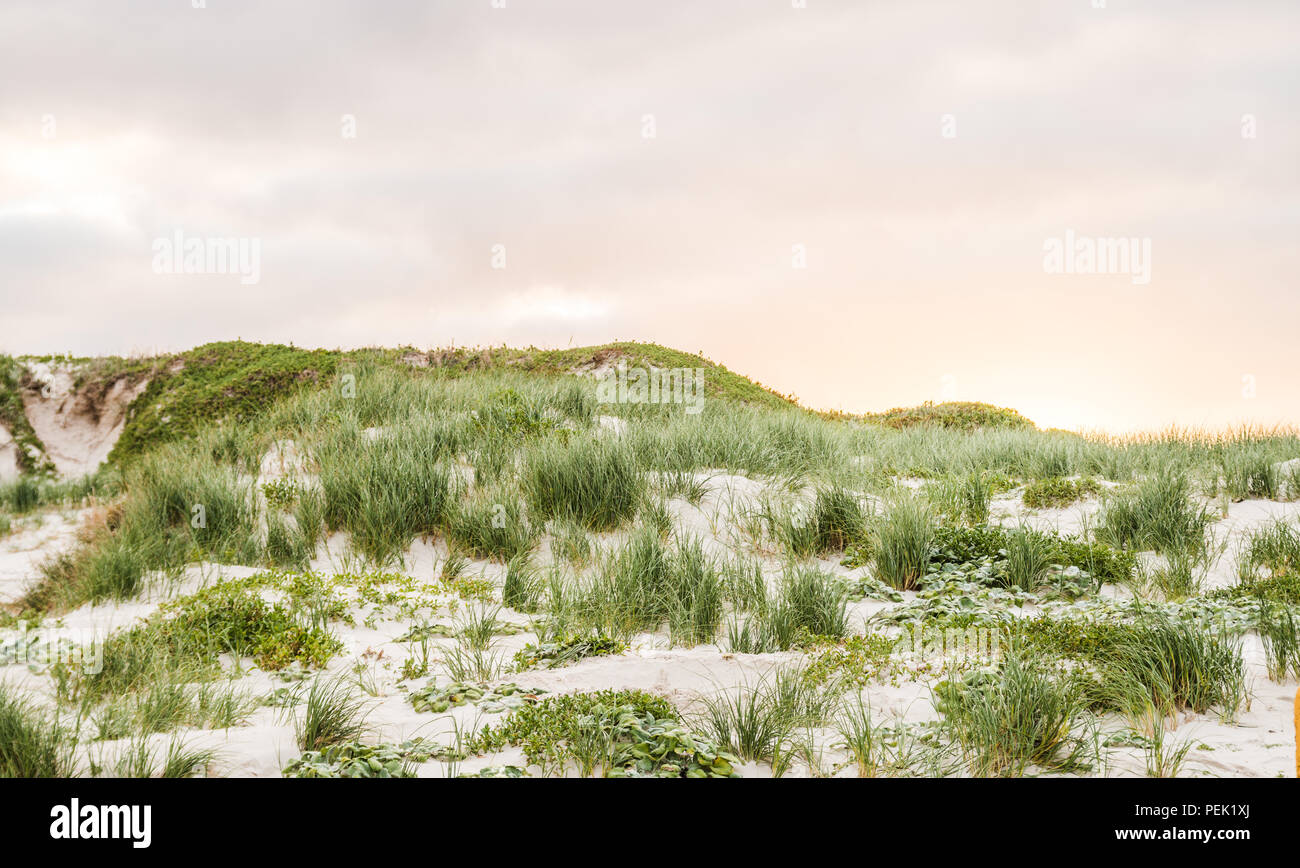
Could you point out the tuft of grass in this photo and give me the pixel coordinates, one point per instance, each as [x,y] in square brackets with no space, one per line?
[1281,638]
[1166,665]
[963,499]
[332,714]
[695,605]
[1025,714]
[522,589]
[839,520]
[812,603]
[491,524]
[595,482]
[1275,547]
[1029,556]
[1156,514]
[33,744]
[903,543]
[757,721]
[387,490]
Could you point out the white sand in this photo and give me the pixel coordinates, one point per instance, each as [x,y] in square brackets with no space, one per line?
[77,435]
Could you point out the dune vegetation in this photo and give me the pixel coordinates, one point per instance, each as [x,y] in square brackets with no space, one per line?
[395,562]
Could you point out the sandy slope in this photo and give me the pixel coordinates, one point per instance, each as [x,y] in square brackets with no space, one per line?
[1261,743]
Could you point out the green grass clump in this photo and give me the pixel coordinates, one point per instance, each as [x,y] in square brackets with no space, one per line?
[1026,713]
[167,702]
[522,589]
[963,499]
[1156,514]
[511,416]
[1165,665]
[696,592]
[1281,637]
[387,490]
[1056,491]
[492,524]
[810,607]
[644,584]
[903,542]
[1250,472]
[1275,547]
[757,722]
[813,603]
[839,520]
[332,714]
[1029,555]
[595,482]
[33,744]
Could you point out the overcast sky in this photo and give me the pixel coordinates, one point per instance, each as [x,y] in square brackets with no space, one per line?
[660,169]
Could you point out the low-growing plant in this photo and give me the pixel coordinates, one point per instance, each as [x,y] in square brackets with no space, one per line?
[1056,492]
[566,649]
[356,760]
[620,733]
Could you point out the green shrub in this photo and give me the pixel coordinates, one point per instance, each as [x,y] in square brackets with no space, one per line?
[1055,491]
[958,415]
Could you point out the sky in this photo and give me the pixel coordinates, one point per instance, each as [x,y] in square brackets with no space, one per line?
[853,202]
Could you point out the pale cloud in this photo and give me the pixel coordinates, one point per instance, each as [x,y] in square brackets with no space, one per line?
[522,127]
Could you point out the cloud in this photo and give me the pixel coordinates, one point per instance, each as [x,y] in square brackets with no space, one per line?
[774,127]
